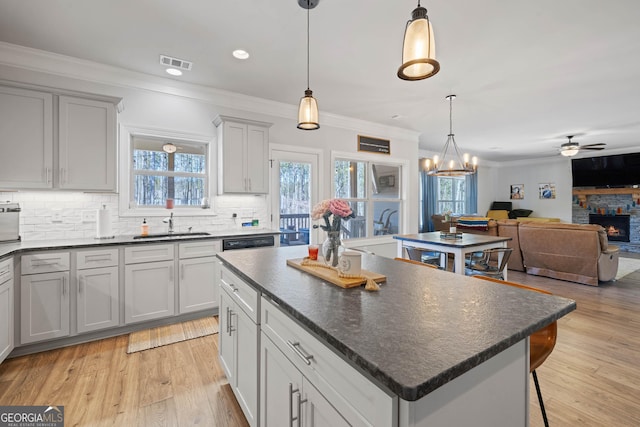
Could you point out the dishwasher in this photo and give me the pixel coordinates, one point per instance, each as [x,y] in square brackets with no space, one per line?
[233,243]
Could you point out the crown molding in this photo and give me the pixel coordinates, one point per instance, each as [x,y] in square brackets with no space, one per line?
[75,68]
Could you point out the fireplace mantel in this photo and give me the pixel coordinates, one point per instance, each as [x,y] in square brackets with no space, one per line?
[582,193]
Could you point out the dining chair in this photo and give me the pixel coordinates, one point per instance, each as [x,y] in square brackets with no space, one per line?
[425,256]
[492,262]
[541,342]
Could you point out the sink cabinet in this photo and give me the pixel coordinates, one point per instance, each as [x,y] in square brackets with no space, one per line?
[149,283]
[6,308]
[243,158]
[198,289]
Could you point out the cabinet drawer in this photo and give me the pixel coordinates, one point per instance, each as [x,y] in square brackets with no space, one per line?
[6,270]
[137,254]
[244,295]
[358,400]
[199,249]
[46,262]
[95,259]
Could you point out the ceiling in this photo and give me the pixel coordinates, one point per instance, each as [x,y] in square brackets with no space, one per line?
[527,74]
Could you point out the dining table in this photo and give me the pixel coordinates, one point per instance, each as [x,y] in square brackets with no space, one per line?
[458,244]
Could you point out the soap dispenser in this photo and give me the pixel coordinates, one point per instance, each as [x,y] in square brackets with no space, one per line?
[144,229]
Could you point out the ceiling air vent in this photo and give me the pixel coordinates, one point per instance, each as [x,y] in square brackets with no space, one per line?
[180,64]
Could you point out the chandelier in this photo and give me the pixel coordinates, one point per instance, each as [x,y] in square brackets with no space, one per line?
[450,162]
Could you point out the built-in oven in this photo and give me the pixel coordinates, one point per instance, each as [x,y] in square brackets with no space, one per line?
[233,243]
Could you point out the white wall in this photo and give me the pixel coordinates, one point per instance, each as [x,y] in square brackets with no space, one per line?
[556,170]
[165,104]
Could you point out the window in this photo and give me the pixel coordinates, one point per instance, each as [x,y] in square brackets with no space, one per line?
[374,192]
[157,175]
[451,194]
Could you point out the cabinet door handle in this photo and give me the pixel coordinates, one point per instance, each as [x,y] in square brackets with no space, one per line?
[249,184]
[47,174]
[228,332]
[300,402]
[295,346]
[231,314]
[291,417]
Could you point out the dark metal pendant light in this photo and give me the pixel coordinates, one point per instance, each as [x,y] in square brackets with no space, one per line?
[308,110]
[419,48]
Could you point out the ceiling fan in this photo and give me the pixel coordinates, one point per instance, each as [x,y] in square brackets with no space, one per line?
[571,148]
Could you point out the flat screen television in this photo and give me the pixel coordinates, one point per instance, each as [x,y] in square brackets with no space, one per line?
[620,170]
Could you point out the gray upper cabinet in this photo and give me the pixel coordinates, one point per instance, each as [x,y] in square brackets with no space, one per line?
[243,155]
[87,144]
[26,135]
[79,155]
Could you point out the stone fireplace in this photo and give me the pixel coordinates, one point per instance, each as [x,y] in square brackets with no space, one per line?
[616,226]
[618,204]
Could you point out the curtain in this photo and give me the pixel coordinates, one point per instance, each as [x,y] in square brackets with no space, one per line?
[428,199]
[471,189]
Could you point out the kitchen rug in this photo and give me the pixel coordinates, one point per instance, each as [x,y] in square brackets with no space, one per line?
[171,334]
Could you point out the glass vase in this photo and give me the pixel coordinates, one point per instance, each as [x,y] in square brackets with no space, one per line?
[332,248]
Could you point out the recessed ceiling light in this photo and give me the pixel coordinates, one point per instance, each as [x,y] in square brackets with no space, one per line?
[174,71]
[240,54]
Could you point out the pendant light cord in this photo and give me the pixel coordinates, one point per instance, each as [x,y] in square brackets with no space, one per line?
[308,7]
[450,115]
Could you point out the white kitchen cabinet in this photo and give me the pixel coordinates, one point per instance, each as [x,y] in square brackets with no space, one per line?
[87,144]
[238,343]
[44,296]
[198,289]
[148,291]
[97,301]
[26,125]
[336,393]
[243,155]
[287,396]
[44,306]
[6,308]
[85,155]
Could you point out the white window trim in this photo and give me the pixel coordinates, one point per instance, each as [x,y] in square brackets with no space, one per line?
[376,158]
[126,132]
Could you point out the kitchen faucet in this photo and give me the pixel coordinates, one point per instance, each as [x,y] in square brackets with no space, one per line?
[169,220]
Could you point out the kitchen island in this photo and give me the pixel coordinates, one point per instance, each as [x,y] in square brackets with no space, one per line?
[445,349]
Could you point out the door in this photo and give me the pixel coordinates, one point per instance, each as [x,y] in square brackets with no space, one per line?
[44,306]
[279,382]
[317,411]
[225,339]
[148,291]
[245,335]
[295,183]
[198,289]
[6,319]
[98,300]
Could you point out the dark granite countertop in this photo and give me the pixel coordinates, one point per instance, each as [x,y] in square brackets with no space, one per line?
[12,248]
[424,327]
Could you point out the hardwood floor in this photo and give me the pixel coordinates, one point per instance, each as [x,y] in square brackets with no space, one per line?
[592,378]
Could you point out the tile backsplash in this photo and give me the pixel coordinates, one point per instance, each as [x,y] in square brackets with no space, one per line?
[49,215]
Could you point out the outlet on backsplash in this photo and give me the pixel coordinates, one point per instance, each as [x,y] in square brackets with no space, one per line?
[88,216]
[56,215]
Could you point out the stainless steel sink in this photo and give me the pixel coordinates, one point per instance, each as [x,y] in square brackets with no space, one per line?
[164,235]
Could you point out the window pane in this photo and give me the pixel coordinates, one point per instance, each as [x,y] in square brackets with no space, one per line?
[349,179]
[150,160]
[385,218]
[188,191]
[194,163]
[150,190]
[356,227]
[445,189]
[385,181]
[459,189]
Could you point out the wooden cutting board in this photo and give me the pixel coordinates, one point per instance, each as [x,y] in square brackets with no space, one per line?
[331,275]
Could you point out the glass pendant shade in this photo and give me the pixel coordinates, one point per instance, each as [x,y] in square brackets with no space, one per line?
[419,48]
[308,112]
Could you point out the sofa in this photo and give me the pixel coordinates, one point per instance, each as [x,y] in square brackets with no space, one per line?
[575,252]
[490,227]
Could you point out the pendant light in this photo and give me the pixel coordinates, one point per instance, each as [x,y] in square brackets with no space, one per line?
[419,48]
[308,110]
[450,162]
